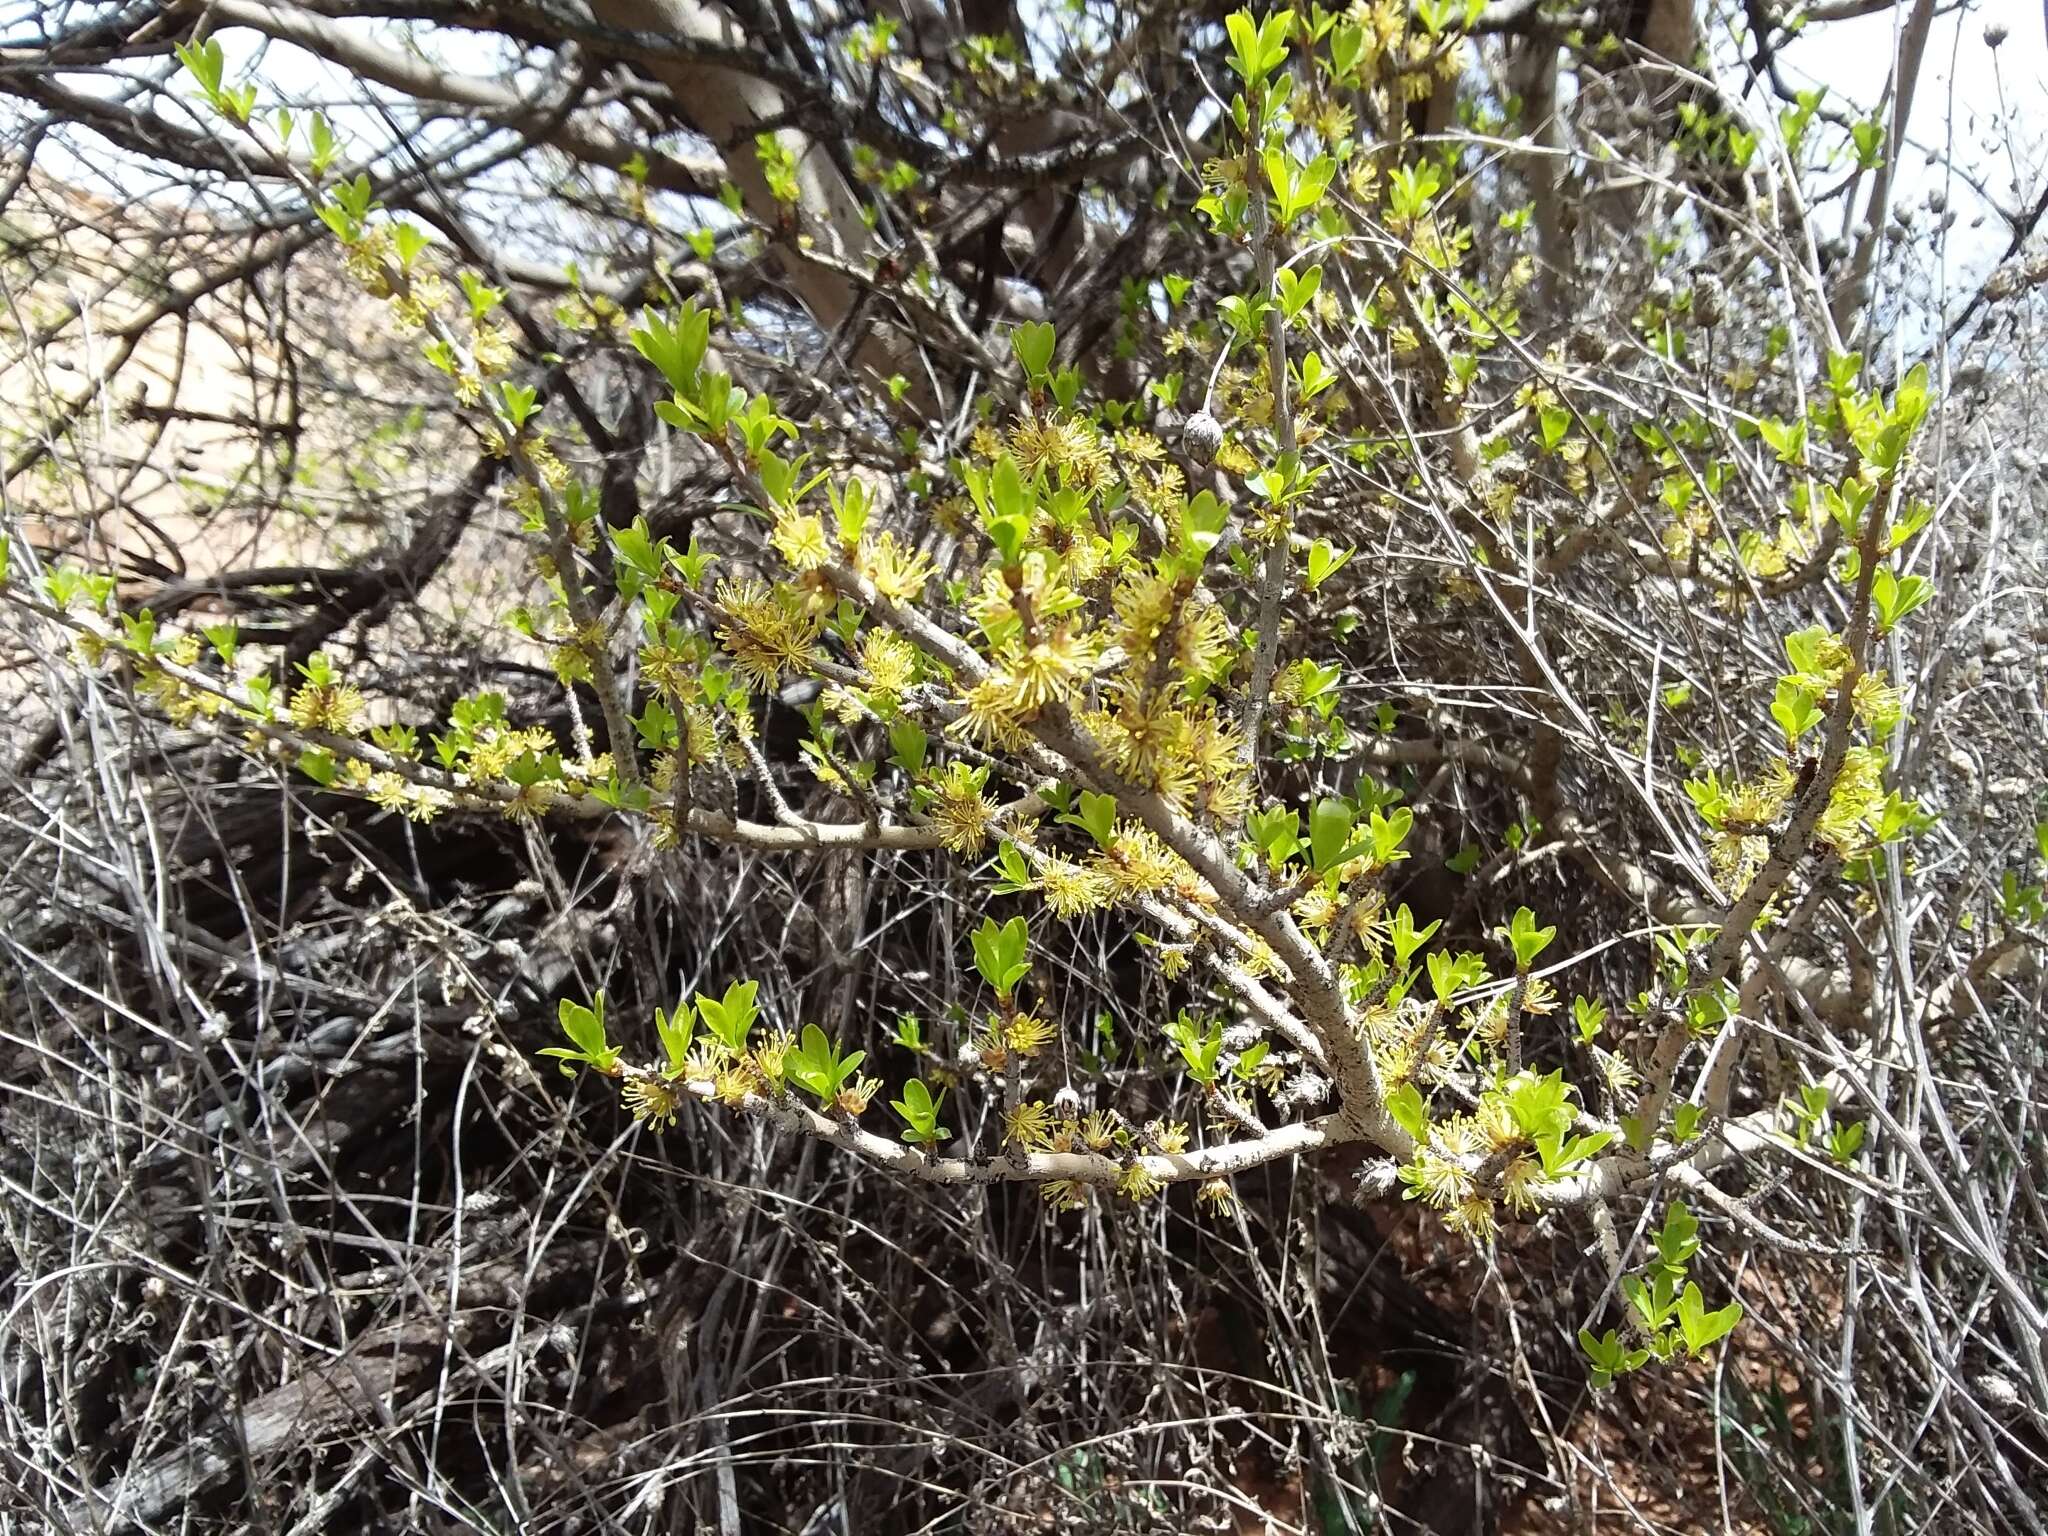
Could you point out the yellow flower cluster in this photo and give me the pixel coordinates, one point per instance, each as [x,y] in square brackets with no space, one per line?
[770,632]
[337,708]
[960,810]
[899,573]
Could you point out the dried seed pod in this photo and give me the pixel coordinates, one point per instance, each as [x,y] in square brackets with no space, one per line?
[1710,301]
[1201,437]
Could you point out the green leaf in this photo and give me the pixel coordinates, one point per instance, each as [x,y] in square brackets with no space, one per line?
[1246,1067]
[410,240]
[1324,558]
[1795,708]
[1560,1154]
[1034,343]
[1589,1016]
[1703,1329]
[731,1017]
[636,547]
[1329,835]
[908,745]
[1001,954]
[1275,832]
[205,61]
[585,1028]
[1448,974]
[519,401]
[1097,817]
[1788,441]
[1315,378]
[1297,289]
[815,1065]
[1388,833]
[1199,1048]
[676,346]
[675,1031]
[1016,874]
[1678,1239]
[1897,596]
[1528,940]
[1406,937]
[1257,48]
[1609,1357]
[1540,1106]
[325,147]
[1654,1300]
[1405,1104]
[920,1112]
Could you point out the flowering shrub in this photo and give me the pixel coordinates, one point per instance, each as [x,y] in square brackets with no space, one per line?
[1095,652]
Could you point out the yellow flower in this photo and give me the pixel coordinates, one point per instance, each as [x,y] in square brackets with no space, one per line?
[1217,1195]
[651,1101]
[732,1083]
[1049,670]
[768,632]
[1617,1073]
[1135,443]
[960,811]
[1224,173]
[1436,1181]
[989,712]
[799,537]
[491,348]
[334,707]
[390,792]
[529,802]
[1027,1125]
[855,1097]
[899,574]
[1064,1194]
[1137,1182]
[1474,1216]
[1170,1137]
[1048,445]
[1138,863]
[1072,889]
[1026,1034]
[1461,1136]
[1518,1183]
[889,661]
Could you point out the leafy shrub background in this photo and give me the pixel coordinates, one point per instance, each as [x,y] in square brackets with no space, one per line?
[300,1234]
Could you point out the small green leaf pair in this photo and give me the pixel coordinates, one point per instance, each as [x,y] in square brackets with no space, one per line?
[1034,343]
[1527,939]
[1096,817]
[1257,48]
[815,1065]
[920,1112]
[1200,1048]
[1002,955]
[585,1028]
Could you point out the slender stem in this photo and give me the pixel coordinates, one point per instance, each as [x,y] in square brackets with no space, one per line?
[1273,578]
